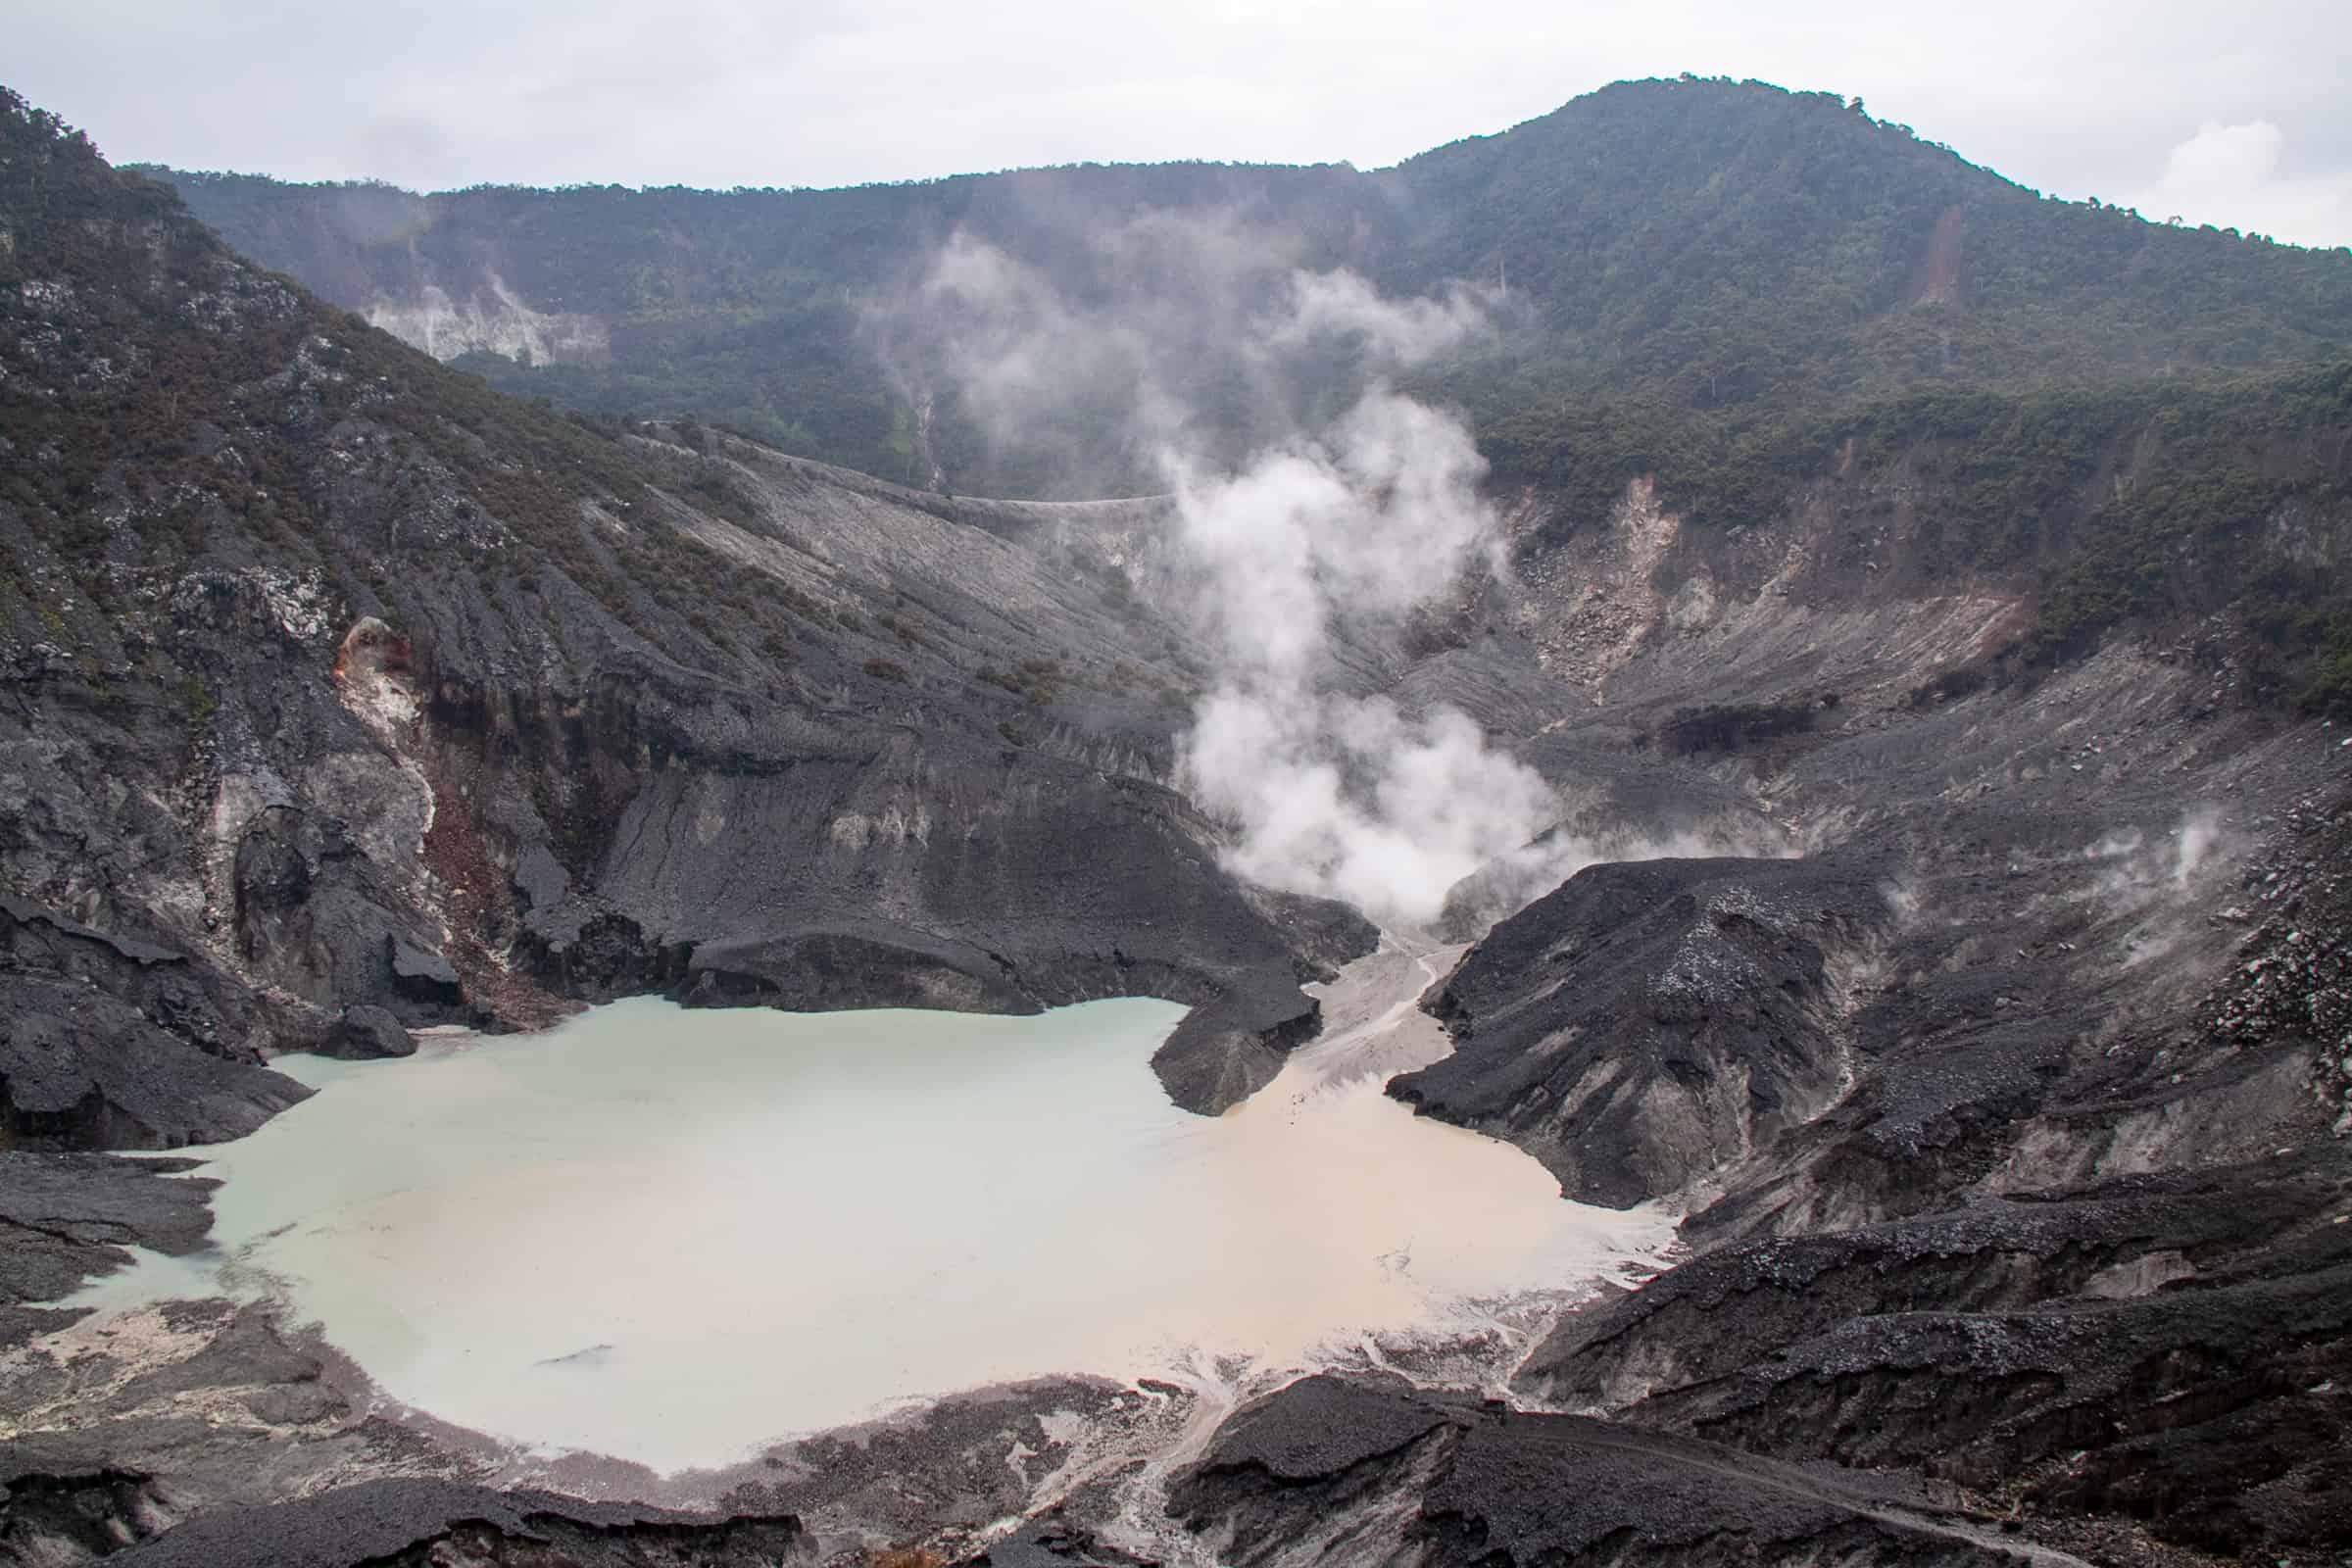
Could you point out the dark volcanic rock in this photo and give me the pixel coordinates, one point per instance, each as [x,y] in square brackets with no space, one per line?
[1324,932]
[1340,1471]
[1232,1042]
[64,1218]
[210,1406]
[2195,1383]
[539,878]
[410,1524]
[1051,1545]
[31,927]
[816,972]
[2168,1347]
[318,915]
[1648,1021]
[76,1516]
[177,992]
[115,1041]
[80,1069]
[1744,1305]
[928,872]
[1231,1048]
[962,1465]
[365,1032]
[584,947]
[422,975]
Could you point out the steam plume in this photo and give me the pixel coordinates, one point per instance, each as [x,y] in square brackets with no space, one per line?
[1326,534]
[1345,795]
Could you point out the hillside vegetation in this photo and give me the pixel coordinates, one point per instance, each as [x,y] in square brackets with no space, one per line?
[1730,288]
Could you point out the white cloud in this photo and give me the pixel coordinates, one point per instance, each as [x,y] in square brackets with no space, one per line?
[1401,331]
[2231,177]
[1330,793]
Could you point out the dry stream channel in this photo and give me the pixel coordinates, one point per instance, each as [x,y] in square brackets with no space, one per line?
[672,1236]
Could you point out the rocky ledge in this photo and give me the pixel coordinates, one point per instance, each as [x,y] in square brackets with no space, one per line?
[1331,1470]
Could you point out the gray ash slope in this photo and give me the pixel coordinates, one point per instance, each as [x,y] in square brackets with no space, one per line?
[2011,1121]
[341,692]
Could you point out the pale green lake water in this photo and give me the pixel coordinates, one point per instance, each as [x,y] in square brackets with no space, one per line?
[670,1235]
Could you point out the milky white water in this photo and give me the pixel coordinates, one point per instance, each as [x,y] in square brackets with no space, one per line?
[670,1235]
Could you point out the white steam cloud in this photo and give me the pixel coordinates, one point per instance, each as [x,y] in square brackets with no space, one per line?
[1345,795]
[1377,515]
[1198,332]
[1408,331]
[1327,535]
[2137,871]
[1015,342]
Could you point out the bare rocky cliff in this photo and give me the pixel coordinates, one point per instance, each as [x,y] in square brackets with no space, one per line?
[2009,1120]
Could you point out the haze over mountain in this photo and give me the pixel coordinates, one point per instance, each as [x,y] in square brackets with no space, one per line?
[1725,287]
[1838,655]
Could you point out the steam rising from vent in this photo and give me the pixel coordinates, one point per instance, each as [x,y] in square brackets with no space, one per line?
[2138,872]
[1348,796]
[2199,836]
[1379,513]
[1196,330]
[1408,331]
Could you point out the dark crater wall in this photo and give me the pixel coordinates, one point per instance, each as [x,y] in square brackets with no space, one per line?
[1648,1022]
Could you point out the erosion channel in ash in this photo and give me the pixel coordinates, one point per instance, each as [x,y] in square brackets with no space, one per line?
[669,1235]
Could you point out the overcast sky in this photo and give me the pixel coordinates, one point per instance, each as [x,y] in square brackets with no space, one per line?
[2238,113]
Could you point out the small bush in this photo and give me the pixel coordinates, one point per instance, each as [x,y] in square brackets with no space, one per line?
[1728,726]
[1949,686]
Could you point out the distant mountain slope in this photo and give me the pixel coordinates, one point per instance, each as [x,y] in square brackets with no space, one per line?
[1705,248]
[1741,296]
[1720,243]
[751,309]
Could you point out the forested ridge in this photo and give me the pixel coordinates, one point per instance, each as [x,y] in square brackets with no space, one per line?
[1706,245]
[1729,288]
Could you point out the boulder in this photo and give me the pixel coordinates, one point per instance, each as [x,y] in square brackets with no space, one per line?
[367,1032]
